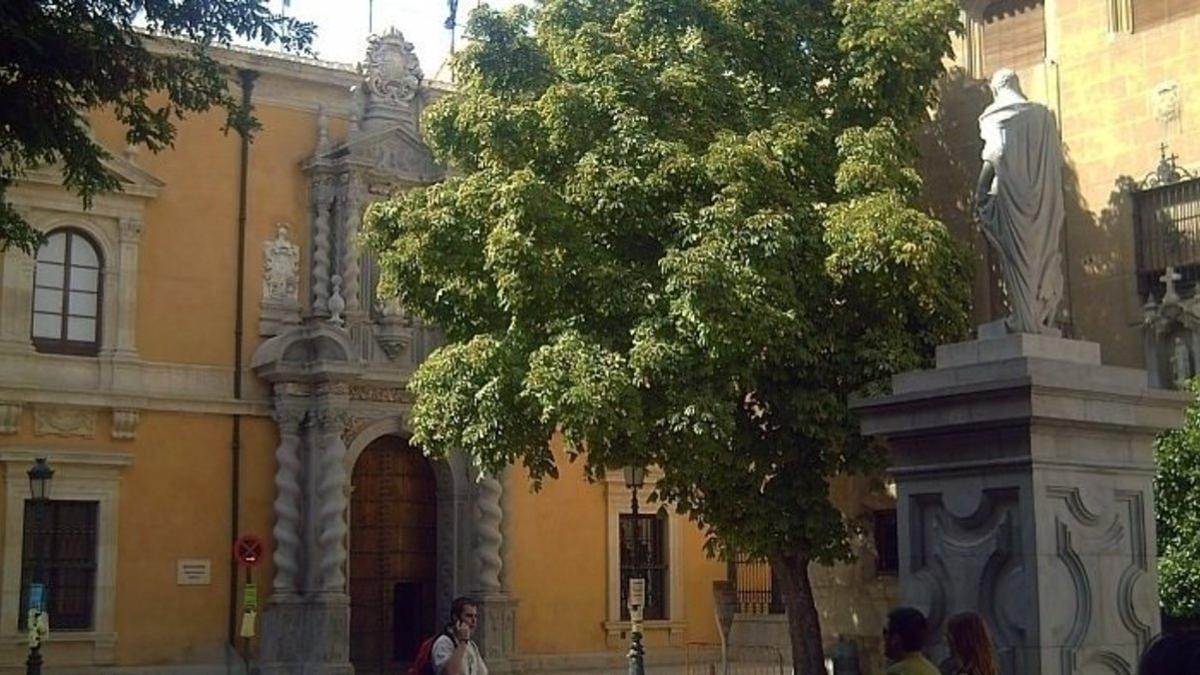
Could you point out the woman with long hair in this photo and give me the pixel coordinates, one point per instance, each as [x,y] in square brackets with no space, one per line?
[970,645]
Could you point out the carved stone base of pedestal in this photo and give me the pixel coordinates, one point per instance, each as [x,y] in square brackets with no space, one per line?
[1023,468]
[496,632]
[306,636]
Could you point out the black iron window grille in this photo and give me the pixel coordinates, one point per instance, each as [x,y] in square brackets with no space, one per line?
[65,537]
[644,551]
[757,592]
[1168,235]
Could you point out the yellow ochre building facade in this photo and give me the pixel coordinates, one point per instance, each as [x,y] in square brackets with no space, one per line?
[182,403]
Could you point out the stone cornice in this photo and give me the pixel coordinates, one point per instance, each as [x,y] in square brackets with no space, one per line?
[107,382]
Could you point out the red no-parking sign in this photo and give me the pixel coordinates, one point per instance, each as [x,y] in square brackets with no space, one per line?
[249,550]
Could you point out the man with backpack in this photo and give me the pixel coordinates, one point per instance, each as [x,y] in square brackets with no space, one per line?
[453,652]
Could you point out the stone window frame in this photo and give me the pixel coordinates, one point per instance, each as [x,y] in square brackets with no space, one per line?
[78,475]
[618,497]
[114,223]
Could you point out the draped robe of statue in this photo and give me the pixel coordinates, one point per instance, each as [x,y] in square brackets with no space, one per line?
[1022,208]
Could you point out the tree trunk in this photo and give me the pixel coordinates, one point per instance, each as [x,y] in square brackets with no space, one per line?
[804,624]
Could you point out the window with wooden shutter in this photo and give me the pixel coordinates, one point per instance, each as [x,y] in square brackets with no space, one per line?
[1014,34]
[1150,13]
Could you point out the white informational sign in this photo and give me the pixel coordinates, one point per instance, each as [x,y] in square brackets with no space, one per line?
[193,572]
[637,593]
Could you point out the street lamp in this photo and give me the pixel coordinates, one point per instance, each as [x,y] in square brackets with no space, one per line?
[635,477]
[40,477]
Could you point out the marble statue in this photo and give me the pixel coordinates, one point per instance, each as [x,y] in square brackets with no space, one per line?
[1181,363]
[1020,203]
[281,267]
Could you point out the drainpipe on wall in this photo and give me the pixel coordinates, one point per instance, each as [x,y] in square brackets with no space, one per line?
[235,441]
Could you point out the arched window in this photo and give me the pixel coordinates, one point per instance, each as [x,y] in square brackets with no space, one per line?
[66,294]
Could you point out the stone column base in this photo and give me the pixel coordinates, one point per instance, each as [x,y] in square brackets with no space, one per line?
[306,636]
[496,632]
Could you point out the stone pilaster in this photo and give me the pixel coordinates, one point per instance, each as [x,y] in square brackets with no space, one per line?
[1023,469]
[126,305]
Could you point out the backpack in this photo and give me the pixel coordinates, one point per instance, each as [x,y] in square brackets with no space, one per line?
[423,660]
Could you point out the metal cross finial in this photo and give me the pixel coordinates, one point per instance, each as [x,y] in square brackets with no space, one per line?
[1169,278]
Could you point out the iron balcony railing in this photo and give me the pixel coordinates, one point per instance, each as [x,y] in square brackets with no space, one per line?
[1167,234]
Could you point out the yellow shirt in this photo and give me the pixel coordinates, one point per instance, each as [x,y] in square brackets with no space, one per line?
[913,663]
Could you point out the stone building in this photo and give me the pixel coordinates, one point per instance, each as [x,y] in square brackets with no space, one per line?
[203,355]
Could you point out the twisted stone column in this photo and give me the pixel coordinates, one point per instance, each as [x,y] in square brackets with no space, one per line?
[351,220]
[320,246]
[331,504]
[288,499]
[491,516]
[497,609]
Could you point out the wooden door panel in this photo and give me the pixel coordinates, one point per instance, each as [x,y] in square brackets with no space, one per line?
[393,555]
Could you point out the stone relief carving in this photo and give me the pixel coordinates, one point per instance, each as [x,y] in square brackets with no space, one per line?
[360,392]
[392,71]
[10,417]
[1164,102]
[1112,537]
[124,423]
[970,561]
[280,306]
[53,421]
[281,268]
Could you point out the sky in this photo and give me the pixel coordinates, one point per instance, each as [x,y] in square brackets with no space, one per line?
[342,25]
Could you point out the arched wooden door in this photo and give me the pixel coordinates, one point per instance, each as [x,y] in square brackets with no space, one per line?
[393,555]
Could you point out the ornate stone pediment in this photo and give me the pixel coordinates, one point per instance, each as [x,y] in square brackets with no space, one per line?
[396,154]
[134,179]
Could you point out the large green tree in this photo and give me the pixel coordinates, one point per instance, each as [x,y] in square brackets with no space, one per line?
[682,233]
[61,60]
[1177,511]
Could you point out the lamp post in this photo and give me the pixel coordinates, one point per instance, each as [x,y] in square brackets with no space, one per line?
[40,476]
[635,477]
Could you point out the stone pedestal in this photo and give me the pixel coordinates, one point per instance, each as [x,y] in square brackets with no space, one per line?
[306,636]
[496,633]
[1023,469]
